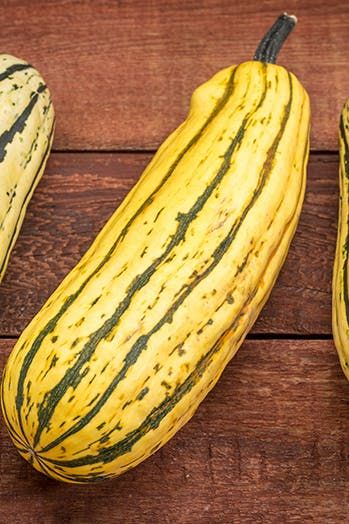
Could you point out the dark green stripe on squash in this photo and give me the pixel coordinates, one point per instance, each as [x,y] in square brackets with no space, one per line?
[14,68]
[52,398]
[346,245]
[140,344]
[19,125]
[70,300]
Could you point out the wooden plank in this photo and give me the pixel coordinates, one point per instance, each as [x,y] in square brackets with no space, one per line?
[268,445]
[121,73]
[80,191]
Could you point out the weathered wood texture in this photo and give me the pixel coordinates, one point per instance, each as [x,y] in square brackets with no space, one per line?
[122,72]
[79,192]
[269,445]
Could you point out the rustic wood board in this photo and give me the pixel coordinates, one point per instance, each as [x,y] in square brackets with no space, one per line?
[268,445]
[80,191]
[122,72]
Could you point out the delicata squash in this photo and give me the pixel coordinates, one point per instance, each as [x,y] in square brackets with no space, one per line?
[137,334]
[26,133]
[340,286]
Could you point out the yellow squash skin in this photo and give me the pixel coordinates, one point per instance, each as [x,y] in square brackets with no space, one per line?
[137,334]
[340,294]
[26,132]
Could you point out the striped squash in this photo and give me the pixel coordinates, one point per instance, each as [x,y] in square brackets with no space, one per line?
[26,131]
[130,343]
[340,286]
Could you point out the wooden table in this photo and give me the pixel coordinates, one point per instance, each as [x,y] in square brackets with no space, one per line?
[270,444]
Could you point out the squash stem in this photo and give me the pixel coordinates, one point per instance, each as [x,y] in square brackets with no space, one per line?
[272,41]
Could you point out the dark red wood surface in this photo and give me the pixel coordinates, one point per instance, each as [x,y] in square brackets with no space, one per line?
[267,445]
[270,443]
[122,72]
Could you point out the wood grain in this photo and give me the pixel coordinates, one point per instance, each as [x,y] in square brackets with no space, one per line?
[122,72]
[80,191]
[268,445]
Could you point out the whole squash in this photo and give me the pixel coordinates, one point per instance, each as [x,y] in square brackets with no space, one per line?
[137,334]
